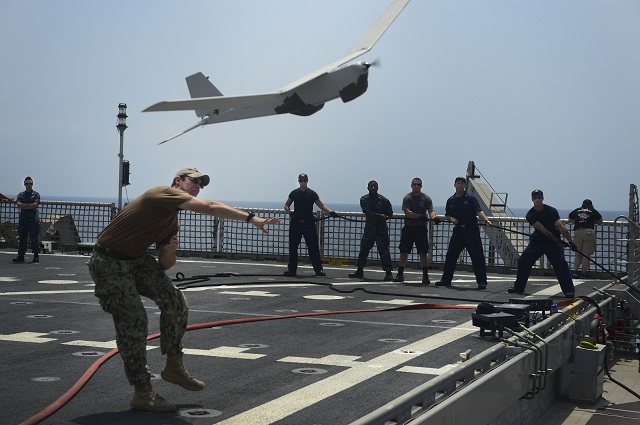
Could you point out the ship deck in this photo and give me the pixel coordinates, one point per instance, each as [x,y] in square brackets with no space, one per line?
[271,349]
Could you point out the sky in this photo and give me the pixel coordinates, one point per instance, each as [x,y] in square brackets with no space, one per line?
[539,94]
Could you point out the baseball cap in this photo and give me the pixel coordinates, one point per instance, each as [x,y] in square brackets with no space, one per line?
[303,176]
[460,178]
[487,308]
[587,202]
[195,173]
[537,193]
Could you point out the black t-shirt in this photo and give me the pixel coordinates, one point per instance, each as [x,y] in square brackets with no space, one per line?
[303,201]
[421,204]
[585,218]
[547,217]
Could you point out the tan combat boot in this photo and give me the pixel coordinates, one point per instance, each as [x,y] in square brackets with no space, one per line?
[176,373]
[145,398]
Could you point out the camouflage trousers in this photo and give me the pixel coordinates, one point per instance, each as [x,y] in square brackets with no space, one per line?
[375,234]
[119,286]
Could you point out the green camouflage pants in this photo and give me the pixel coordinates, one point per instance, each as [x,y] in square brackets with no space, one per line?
[119,285]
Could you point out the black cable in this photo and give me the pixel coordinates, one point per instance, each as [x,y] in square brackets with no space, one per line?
[356,220]
[186,283]
[506,228]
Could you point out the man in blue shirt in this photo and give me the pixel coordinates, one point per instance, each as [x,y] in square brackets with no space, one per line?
[303,224]
[462,210]
[378,210]
[28,222]
[545,240]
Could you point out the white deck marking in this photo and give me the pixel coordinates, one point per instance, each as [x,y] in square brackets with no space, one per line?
[251,293]
[324,297]
[330,360]
[394,301]
[35,337]
[73,291]
[295,401]
[9,279]
[57,282]
[428,370]
[227,287]
[93,344]
[226,352]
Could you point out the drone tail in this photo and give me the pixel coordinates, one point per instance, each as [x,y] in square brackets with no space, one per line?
[200,86]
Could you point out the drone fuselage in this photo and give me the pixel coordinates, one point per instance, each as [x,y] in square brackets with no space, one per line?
[347,83]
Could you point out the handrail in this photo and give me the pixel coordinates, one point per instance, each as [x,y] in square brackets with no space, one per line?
[432,392]
[507,381]
[207,236]
[633,249]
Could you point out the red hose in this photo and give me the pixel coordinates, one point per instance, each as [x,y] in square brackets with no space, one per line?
[66,397]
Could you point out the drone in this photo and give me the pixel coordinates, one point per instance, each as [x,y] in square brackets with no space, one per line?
[304,97]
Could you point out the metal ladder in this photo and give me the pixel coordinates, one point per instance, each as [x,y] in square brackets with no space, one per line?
[494,204]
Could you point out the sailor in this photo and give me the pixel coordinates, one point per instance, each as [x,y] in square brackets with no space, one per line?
[545,240]
[29,221]
[418,209]
[378,210]
[463,210]
[584,218]
[123,272]
[303,225]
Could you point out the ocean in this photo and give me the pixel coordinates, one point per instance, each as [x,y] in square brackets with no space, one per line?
[518,212]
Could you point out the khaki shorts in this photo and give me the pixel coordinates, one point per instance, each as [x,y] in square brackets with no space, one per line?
[585,240]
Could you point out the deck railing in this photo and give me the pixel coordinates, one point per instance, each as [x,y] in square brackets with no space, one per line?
[68,224]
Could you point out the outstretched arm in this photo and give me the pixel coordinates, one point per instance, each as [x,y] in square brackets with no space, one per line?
[222,210]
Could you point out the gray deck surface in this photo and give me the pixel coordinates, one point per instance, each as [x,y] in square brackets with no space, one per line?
[314,369]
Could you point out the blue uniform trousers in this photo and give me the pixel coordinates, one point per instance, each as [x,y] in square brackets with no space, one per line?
[306,229]
[465,237]
[375,234]
[555,255]
[28,227]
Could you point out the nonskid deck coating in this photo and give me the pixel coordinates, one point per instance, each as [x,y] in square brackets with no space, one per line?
[322,369]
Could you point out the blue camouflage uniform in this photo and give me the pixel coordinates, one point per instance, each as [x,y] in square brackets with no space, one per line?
[28,223]
[375,231]
[466,234]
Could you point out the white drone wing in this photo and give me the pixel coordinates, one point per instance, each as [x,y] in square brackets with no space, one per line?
[211,103]
[362,46]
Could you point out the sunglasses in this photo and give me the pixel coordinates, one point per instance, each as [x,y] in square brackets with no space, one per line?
[28,184]
[416,184]
[196,181]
